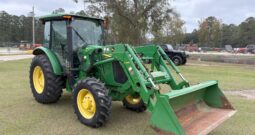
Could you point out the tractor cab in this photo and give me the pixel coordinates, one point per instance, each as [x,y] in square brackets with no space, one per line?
[65,33]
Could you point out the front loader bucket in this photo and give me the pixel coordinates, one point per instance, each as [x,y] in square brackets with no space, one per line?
[195,110]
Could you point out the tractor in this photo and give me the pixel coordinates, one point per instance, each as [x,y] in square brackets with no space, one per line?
[75,57]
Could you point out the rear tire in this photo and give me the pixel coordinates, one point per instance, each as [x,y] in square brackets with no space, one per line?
[177,60]
[134,103]
[91,102]
[45,85]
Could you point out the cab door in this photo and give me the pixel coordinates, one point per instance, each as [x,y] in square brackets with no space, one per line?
[59,40]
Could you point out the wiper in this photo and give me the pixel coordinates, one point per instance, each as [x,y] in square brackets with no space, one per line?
[78,34]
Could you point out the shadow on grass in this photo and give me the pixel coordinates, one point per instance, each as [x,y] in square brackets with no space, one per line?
[122,121]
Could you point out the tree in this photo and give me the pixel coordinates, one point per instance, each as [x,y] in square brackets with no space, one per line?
[175,30]
[131,20]
[230,34]
[210,32]
[247,32]
[16,28]
[170,31]
[58,11]
[191,37]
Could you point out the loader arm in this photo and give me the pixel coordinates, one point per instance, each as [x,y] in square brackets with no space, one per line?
[184,108]
[141,79]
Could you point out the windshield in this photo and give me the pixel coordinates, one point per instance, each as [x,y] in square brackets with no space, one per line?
[170,47]
[86,32]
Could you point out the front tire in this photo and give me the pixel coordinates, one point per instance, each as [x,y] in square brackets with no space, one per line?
[91,102]
[45,85]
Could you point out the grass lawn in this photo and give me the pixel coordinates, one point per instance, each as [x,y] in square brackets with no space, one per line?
[21,114]
[230,76]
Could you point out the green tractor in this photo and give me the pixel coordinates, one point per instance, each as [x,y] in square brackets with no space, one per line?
[74,57]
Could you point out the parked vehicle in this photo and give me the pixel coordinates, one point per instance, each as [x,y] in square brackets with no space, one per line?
[240,50]
[178,57]
[229,48]
[204,49]
[250,48]
[216,49]
[36,45]
[189,47]
[24,45]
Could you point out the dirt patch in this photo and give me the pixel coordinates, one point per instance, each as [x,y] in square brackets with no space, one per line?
[249,94]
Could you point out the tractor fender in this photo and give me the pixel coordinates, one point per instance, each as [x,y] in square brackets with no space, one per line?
[52,57]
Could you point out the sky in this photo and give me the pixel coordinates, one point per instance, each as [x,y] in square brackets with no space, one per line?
[191,11]
[228,11]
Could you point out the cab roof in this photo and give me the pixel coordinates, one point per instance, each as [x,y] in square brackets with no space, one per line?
[61,16]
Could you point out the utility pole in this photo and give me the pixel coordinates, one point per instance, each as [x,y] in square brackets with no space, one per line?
[33,24]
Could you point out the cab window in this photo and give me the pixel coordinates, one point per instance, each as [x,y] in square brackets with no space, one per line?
[59,40]
[46,40]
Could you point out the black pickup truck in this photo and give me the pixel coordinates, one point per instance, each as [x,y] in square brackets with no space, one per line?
[178,57]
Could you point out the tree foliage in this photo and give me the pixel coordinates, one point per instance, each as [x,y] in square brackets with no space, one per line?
[58,11]
[137,22]
[191,37]
[16,28]
[209,32]
[132,20]
[247,31]
[230,34]
[212,33]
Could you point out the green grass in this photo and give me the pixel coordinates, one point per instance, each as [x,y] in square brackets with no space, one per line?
[230,76]
[21,114]
[243,122]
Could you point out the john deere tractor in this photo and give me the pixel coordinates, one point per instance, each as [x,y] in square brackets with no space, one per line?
[74,57]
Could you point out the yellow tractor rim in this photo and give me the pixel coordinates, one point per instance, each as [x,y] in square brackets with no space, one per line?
[38,79]
[133,100]
[86,103]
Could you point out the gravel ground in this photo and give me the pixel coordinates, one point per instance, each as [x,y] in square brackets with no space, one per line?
[15,57]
